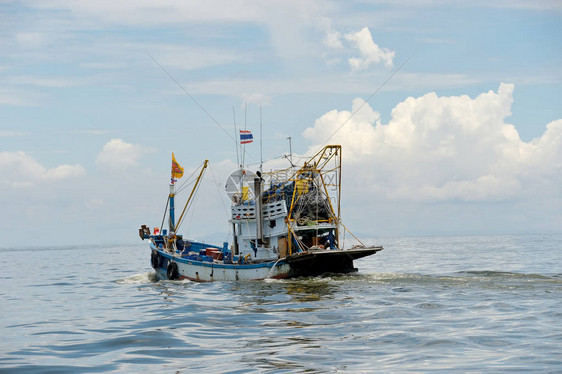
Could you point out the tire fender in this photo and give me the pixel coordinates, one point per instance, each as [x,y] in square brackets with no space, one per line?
[172,271]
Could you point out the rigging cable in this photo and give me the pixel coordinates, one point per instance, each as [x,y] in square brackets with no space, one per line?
[368,99]
[188,207]
[184,186]
[235,136]
[193,192]
[165,210]
[187,182]
[221,198]
[192,98]
[356,238]
[191,215]
[199,105]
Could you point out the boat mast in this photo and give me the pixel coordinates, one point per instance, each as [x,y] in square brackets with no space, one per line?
[172,221]
[245,129]
[236,137]
[290,151]
[177,172]
[261,144]
[328,176]
[258,209]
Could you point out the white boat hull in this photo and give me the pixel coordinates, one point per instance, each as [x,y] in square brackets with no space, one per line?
[170,266]
[200,271]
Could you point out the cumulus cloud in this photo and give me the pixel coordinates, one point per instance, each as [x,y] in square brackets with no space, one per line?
[437,148]
[117,154]
[371,53]
[332,38]
[19,170]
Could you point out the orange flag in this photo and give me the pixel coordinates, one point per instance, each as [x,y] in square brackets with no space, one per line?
[177,170]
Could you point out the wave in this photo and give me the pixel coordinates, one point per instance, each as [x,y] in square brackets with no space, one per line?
[143,278]
[476,278]
[506,274]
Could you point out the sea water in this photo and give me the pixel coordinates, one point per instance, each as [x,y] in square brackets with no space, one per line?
[430,304]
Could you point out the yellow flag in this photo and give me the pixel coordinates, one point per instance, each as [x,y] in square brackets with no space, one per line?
[177,170]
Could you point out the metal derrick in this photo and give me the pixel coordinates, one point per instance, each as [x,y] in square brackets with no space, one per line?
[311,183]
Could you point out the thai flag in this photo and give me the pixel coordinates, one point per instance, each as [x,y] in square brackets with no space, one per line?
[246,137]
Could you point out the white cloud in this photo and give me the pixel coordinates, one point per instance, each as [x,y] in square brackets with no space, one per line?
[332,38]
[20,170]
[64,172]
[443,148]
[371,53]
[357,131]
[117,154]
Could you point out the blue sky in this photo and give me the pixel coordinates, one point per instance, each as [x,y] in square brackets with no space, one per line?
[455,143]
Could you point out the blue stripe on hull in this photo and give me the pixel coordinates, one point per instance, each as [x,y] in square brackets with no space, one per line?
[200,271]
[218,265]
[221,266]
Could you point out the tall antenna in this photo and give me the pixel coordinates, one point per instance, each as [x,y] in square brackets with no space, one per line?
[235,137]
[245,129]
[291,151]
[261,143]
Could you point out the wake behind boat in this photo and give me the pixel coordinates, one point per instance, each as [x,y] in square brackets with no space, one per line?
[284,224]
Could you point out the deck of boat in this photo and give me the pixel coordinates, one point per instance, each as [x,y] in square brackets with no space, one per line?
[319,261]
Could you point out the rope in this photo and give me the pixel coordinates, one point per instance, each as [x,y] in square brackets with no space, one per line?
[221,199]
[368,99]
[316,187]
[218,191]
[165,210]
[183,186]
[187,207]
[301,245]
[356,238]
[191,213]
[192,98]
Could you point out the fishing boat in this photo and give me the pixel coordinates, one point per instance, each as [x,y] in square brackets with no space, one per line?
[284,224]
